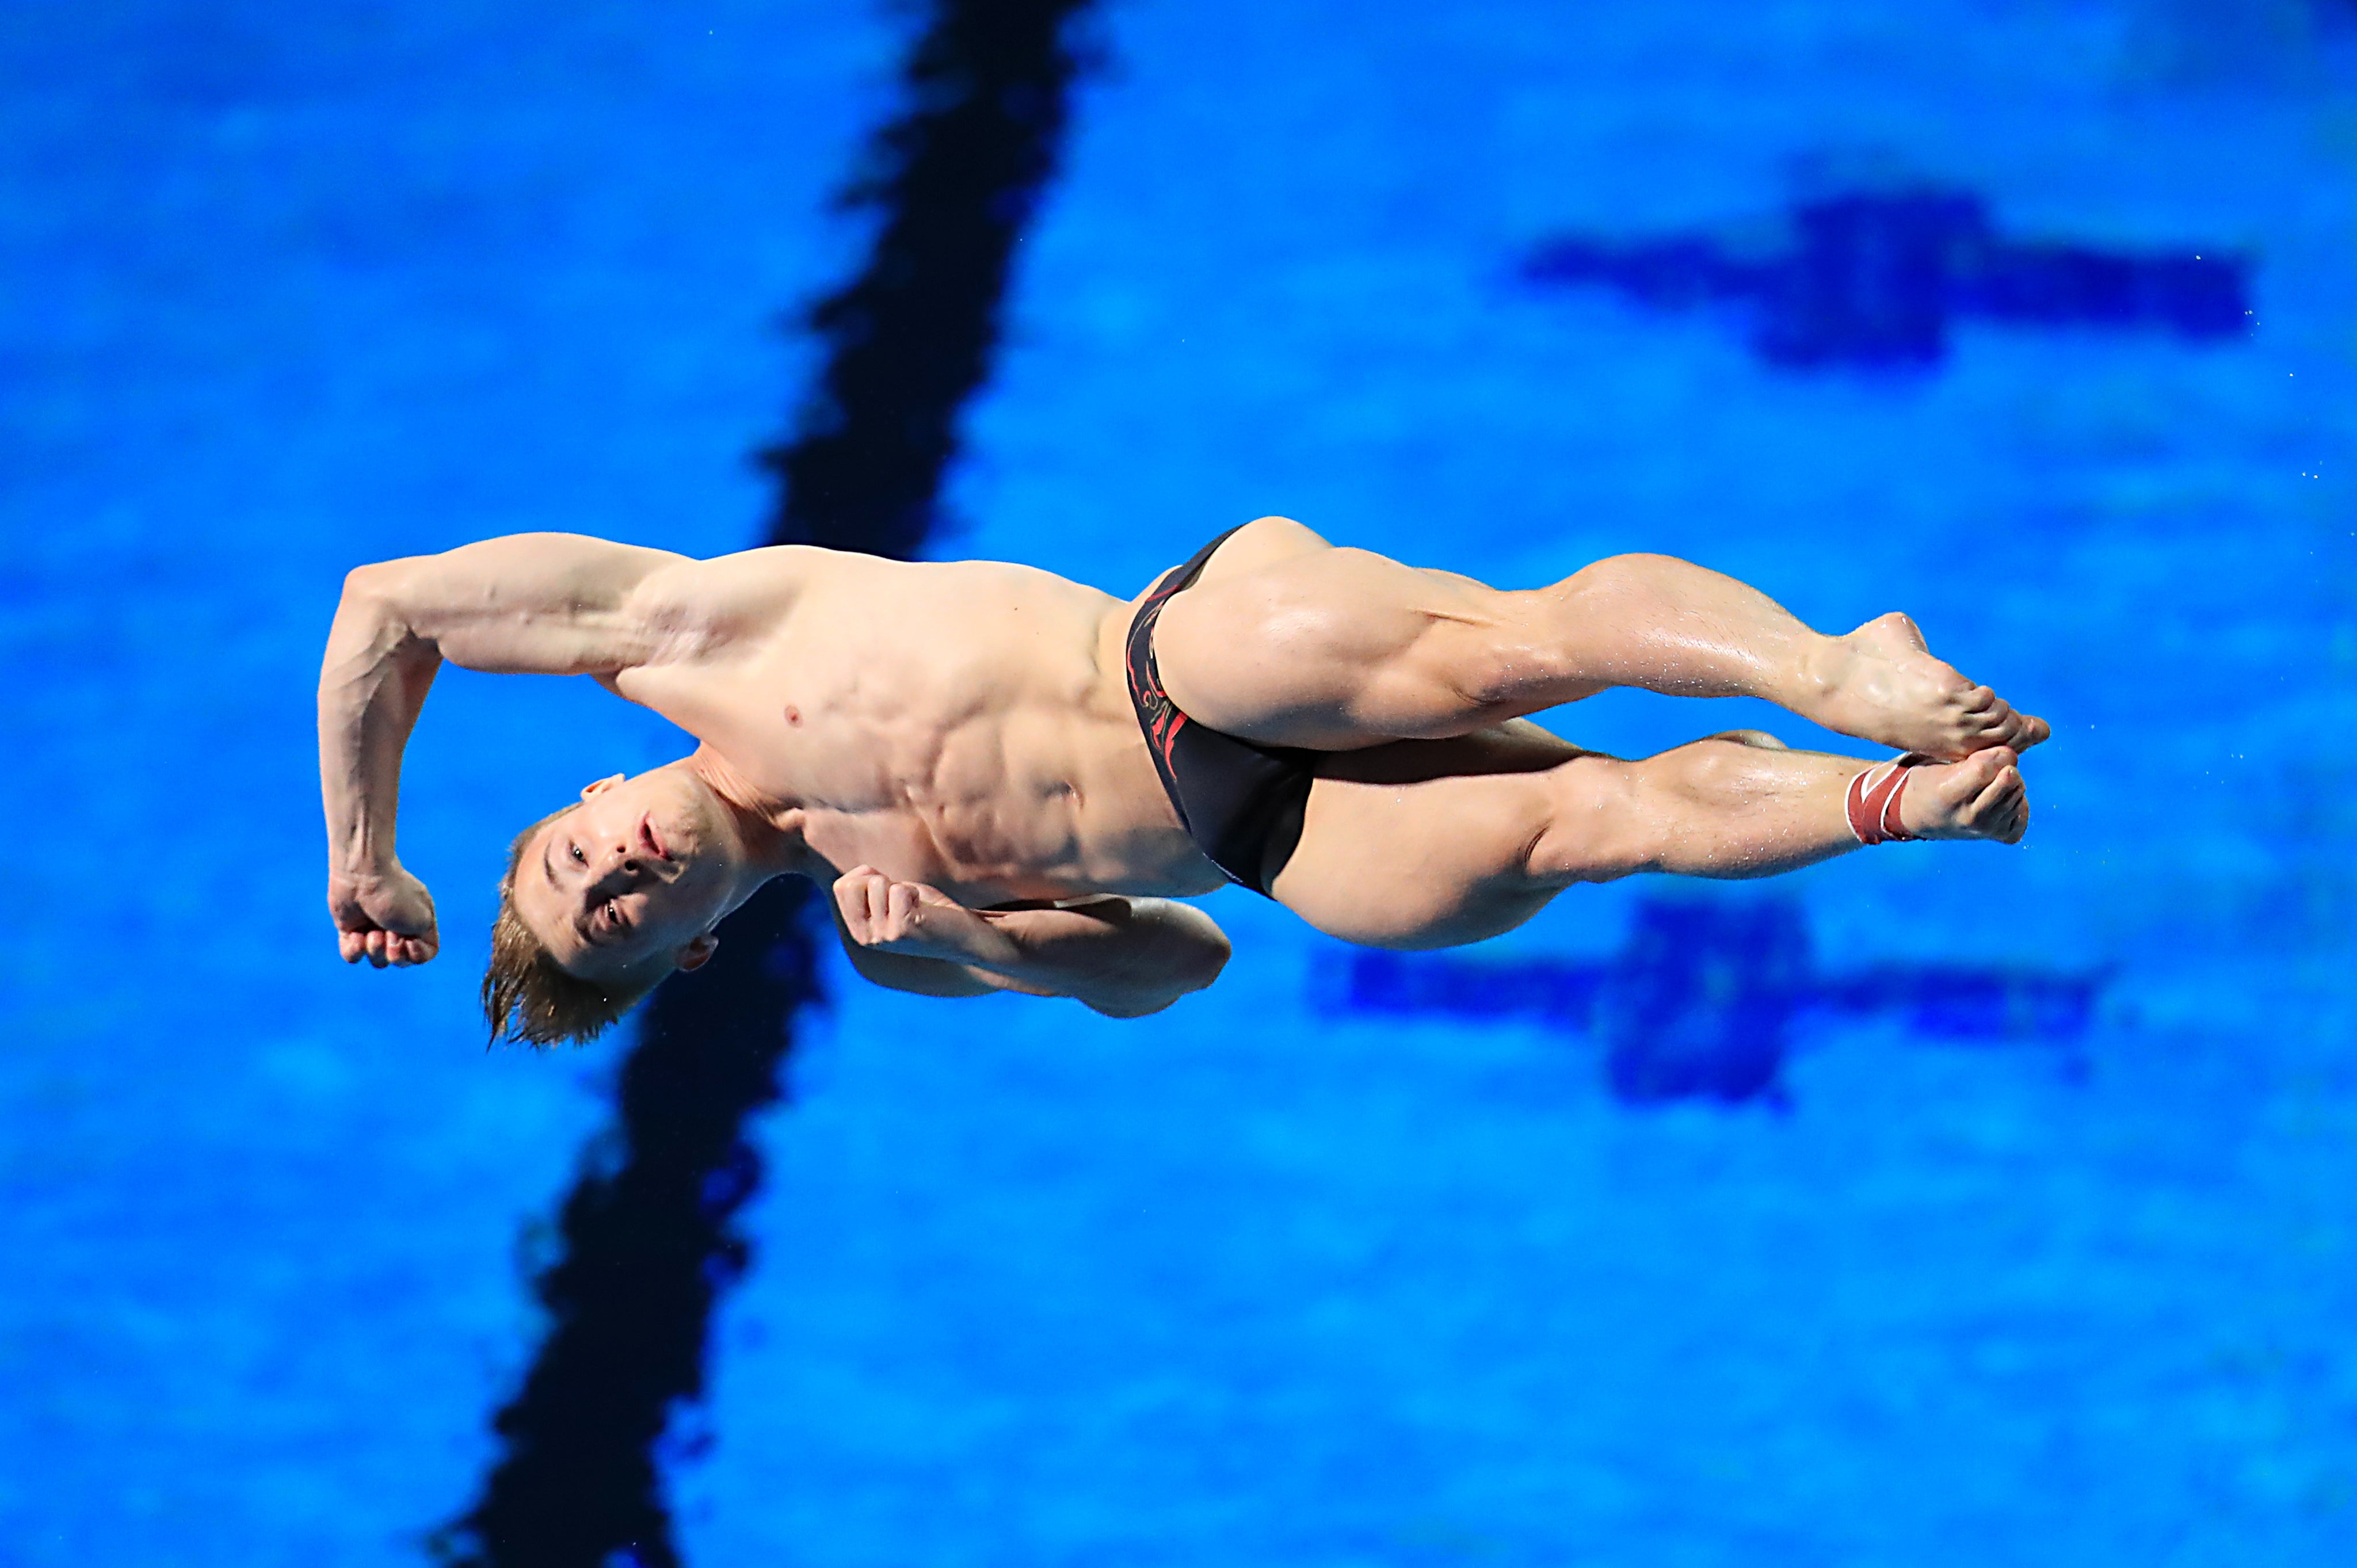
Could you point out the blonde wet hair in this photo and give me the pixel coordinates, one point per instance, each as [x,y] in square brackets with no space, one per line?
[527,995]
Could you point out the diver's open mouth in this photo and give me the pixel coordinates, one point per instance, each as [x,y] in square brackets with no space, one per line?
[653,839]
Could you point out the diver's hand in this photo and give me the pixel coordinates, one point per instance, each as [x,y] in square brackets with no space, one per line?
[914,920]
[384,915]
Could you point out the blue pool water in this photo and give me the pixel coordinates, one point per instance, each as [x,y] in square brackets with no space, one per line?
[1267,1278]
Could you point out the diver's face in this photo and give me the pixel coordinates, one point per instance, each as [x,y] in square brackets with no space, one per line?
[629,883]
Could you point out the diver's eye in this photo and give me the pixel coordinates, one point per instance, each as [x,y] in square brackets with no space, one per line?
[577,855]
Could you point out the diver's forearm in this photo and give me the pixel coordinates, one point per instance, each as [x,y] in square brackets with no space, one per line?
[1122,957]
[372,684]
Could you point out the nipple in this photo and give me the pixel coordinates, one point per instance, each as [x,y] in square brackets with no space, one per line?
[793,715]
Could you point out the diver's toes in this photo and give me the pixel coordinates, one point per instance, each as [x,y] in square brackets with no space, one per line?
[1960,793]
[2009,808]
[2016,819]
[1996,766]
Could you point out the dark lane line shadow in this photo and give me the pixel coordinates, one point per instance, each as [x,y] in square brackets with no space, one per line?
[647,1236]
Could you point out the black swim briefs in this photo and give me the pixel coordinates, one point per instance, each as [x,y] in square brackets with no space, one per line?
[1232,797]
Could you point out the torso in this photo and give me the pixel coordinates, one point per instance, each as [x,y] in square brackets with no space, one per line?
[965,725]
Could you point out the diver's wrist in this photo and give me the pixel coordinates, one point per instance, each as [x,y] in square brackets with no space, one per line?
[362,858]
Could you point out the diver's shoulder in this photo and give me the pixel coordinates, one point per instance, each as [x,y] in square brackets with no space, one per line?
[1016,578]
[765,571]
[776,578]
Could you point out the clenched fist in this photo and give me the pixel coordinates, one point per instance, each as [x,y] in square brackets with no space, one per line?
[910,918]
[385,917]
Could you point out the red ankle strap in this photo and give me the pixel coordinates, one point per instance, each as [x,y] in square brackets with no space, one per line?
[1874,811]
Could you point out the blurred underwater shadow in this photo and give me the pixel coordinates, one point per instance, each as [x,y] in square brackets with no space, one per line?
[1706,999]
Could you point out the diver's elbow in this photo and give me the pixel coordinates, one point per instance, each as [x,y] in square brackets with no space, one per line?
[1185,968]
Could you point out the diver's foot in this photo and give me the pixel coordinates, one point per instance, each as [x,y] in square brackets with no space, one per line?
[1980,797]
[1880,683]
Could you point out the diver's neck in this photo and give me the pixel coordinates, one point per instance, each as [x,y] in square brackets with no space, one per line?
[768,831]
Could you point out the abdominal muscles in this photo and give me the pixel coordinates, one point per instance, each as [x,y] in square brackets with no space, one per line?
[972,745]
[1007,805]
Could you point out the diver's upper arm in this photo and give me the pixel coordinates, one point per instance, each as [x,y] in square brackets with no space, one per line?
[539,604]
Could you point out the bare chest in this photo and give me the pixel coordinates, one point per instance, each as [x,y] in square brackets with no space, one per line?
[969,740]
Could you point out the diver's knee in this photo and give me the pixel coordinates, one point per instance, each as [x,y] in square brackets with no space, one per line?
[1597,827]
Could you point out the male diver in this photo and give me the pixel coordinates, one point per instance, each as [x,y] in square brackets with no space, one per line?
[1009,777]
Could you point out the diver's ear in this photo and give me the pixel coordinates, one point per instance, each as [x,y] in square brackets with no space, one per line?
[696,955]
[602,785]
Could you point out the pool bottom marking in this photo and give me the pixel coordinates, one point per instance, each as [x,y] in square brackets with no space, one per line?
[1876,278]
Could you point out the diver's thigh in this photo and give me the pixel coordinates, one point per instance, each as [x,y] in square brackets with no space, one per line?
[1334,650]
[1432,862]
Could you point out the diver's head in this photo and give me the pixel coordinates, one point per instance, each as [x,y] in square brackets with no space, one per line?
[606,897]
